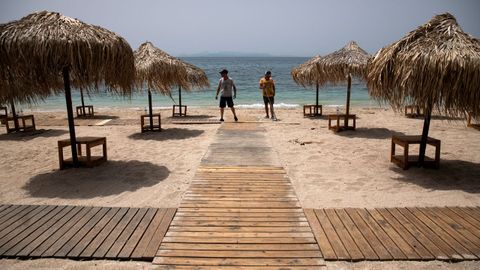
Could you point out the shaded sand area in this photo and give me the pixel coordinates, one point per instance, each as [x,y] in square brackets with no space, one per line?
[350,169]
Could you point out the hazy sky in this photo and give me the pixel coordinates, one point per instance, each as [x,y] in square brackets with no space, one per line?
[277,27]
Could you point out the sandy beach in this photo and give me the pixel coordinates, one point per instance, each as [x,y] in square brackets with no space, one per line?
[349,169]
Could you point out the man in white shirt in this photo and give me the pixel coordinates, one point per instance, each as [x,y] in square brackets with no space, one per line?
[226,87]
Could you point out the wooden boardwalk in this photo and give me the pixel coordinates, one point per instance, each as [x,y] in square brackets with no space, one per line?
[240,212]
[76,232]
[239,218]
[447,233]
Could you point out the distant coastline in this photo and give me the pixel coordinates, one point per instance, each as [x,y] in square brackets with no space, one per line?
[232,54]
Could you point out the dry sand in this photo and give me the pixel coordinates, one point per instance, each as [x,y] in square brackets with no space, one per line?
[349,169]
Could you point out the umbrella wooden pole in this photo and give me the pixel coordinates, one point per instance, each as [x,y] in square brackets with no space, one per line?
[180,99]
[349,88]
[423,141]
[150,108]
[71,126]
[14,114]
[316,107]
[83,103]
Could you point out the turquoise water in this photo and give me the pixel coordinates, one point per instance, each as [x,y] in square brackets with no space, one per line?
[246,72]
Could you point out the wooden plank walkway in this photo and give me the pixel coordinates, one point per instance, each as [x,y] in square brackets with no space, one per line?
[242,218]
[447,233]
[240,211]
[76,232]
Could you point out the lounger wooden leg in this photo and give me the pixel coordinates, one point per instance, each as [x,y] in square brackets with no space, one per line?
[105,150]
[89,156]
[392,151]
[405,157]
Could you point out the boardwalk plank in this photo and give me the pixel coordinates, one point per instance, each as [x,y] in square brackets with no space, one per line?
[332,236]
[454,232]
[320,235]
[49,236]
[121,215]
[44,232]
[66,233]
[369,236]
[464,213]
[255,246]
[243,240]
[360,241]
[435,238]
[23,224]
[77,233]
[459,249]
[237,229]
[239,254]
[14,211]
[416,232]
[137,234]
[465,220]
[21,240]
[403,245]
[239,261]
[239,223]
[406,236]
[392,248]
[159,234]
[96,228]
[19,219]
[352,249]
[127,232]
[139,250]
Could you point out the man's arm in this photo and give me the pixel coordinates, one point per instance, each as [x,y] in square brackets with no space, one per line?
[218,90]
[234,90]
[273,89]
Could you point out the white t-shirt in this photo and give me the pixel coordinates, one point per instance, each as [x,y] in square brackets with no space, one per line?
[226,87]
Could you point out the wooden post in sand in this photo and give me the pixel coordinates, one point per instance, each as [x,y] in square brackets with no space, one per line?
[347,111]
[71,125]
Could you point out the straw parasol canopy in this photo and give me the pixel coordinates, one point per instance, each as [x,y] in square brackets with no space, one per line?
[196,77]
[342,65]
[44,50]
[436,66]
[158,70]
[306,74]
[350,61]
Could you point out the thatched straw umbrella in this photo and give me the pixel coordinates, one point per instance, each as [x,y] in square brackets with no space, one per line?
[436,66]
[341,65]
[159,70]
[41,49]
[306,74]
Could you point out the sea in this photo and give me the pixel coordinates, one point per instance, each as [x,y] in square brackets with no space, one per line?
[245,71]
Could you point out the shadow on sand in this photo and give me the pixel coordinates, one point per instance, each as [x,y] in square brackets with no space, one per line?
[371,133]
[190,117]
[167,134]
[30,135]
[96,117]
[450,176]
[96,182]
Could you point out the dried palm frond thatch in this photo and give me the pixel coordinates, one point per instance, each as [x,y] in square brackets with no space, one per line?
[336,67]
[44,49]
[306,74]
[196,77]
[35,49]
[159,70]
[437,66]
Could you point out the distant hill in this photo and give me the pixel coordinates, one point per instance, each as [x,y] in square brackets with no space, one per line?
[226,54]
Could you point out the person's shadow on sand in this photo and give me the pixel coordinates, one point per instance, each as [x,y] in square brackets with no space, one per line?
[451,176]
[110,178]
[167,134]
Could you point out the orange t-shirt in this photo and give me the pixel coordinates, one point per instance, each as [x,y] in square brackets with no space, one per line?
[268,89]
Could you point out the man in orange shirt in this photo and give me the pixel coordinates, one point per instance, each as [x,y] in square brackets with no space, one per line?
[268,90]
